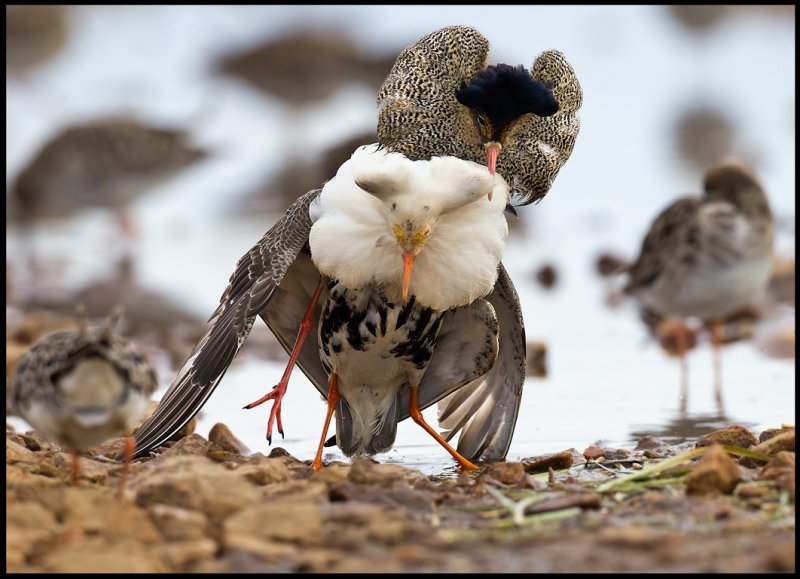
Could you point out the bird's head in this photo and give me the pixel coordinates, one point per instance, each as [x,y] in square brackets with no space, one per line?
[417,196]
[497,97]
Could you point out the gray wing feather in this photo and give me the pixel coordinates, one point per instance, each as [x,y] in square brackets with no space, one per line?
[466,348]
[485,411]
[252,285]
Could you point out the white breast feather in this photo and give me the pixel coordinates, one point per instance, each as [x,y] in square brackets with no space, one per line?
[351,239]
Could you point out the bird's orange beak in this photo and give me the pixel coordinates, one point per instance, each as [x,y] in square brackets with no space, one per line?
[408,264]
[492,152]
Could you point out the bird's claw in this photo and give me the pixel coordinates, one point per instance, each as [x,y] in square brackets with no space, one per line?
[276,394]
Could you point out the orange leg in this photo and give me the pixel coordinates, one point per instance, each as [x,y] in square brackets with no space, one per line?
[416,416]
[279,390]
[716,341]
[76,467]
[130,447]
[682,344]
[333,399]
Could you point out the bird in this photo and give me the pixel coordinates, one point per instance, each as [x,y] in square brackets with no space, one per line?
[34,35]
[79,388]
[306,65]
[380,218]
[436,101]
[707,256]
[420,117]
[104,163]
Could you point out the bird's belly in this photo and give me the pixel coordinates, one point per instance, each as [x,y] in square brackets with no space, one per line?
[712,291]
[374,346]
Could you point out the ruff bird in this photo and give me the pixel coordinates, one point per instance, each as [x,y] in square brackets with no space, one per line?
[79,388]
[381,216]
[106,163]
[420,117]
[707,257]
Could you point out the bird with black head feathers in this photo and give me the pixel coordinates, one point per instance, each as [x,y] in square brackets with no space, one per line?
[419,117]
[499,96]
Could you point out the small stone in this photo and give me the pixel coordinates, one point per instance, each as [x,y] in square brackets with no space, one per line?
[177,524]
[265,471]
[367,471]
[716,472]
[222,435]
[96,553]
[283,520]
[732,436]
[16,452]
[538,464]
[195,483]
[594,452]
[649,443]
[178,555]
[776,444]
[772,432]
[192,445]
[750,491]
[505,472]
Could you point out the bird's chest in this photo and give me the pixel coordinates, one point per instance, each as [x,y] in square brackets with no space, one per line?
[370,342]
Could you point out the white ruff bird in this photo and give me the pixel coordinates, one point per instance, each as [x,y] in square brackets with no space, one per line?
[381,215]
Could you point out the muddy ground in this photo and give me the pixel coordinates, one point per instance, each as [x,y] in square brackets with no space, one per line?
[201,506]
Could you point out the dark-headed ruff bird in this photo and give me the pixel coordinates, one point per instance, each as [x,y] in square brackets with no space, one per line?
[419,116]
[79,388]
[707,256]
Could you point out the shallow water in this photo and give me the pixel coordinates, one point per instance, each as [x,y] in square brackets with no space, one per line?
[639,70]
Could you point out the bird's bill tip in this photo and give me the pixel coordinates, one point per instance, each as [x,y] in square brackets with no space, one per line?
[408,264]
[492,152]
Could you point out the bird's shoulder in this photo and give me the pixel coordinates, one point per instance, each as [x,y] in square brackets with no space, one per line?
[675,227]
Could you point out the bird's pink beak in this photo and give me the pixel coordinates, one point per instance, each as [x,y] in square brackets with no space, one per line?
[492,152]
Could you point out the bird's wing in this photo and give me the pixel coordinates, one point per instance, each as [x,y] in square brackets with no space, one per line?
[466,348]
[252,285]
[537,147]
[485,410]
[665,237]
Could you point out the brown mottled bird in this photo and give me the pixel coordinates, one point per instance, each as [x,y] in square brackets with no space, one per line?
[304,66]
[82,387]
[106,163]
[707,256]
[421,117]
[34,35]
